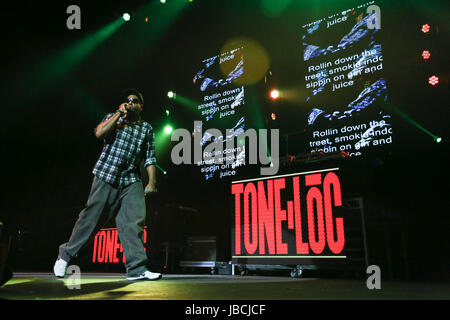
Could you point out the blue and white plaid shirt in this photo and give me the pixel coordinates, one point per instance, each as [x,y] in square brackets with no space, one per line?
[123,152]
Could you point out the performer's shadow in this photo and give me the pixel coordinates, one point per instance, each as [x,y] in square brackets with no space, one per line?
[58,289]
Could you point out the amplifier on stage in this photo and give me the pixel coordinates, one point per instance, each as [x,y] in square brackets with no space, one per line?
[199,252]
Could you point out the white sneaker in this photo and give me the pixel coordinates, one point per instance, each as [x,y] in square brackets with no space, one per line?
[60,268]
[147,275]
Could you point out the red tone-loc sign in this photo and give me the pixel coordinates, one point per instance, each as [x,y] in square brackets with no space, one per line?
[288,216]
[107,247]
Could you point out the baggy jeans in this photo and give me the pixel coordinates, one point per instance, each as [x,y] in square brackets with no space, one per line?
[130,220]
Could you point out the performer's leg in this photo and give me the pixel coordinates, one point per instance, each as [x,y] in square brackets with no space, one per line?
[102,194]
[130,222]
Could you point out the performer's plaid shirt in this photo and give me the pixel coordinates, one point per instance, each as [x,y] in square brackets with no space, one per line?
[123,152]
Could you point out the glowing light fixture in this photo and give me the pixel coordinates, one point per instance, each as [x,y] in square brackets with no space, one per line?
[168,129]
[126,17]
[425,28]
[171,94]
[274,94]
[426,54]
[433,80]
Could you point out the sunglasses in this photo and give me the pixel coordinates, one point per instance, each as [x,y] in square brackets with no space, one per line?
[132,100]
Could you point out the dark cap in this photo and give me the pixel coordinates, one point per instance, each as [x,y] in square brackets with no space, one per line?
[135,92]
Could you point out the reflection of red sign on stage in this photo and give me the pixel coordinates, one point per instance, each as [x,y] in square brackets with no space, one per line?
[107,247]
[288,216]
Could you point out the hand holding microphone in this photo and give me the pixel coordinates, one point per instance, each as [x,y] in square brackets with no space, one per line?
[123,109]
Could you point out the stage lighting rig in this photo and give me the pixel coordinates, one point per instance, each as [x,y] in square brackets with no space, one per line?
[126,17]
[274,94]
[426,54]
[433,80]
[426,28]
[171,95]
[168,129]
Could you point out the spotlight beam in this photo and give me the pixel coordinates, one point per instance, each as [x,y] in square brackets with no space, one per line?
[161,169]
[409,119]
[45,74]
[185,101]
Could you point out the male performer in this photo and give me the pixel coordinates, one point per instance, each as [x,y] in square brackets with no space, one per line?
[117,187]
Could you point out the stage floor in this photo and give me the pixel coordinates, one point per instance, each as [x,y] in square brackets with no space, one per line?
[108,286]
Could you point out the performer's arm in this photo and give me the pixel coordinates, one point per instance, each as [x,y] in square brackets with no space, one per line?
[150,163]
[104,128]
[151,171]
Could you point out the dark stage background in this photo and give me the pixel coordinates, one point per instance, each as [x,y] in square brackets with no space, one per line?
[49,149]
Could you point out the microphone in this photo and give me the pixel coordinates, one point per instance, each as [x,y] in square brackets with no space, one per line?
[125,111]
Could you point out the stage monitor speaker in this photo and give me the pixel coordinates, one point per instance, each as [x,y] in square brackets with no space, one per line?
[200,249]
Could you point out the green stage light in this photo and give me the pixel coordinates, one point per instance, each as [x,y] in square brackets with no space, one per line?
[391,107]
[167,112]
[274,8]
[185,101]
[161,169]
[126,17]
[168,129]
[42,77]
[171,94]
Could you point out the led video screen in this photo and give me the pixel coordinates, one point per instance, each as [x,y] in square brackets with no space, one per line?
[345,88]
[221,107]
